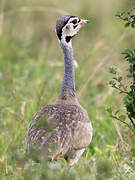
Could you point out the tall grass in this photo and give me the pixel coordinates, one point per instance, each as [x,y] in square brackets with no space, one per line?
[31,70]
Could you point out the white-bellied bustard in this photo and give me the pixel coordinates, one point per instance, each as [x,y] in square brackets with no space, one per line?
[62,129]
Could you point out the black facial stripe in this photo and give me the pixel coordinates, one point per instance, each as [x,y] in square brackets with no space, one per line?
[74,21]
[68,38]
[59,34]
[75,26]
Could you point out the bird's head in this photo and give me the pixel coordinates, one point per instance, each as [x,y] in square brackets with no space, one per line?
[68,26]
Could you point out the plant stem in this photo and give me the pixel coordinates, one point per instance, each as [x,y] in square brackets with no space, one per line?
[121,91]
[131,121]
[115,117]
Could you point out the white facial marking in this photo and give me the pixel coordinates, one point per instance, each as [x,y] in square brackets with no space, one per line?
[71,28]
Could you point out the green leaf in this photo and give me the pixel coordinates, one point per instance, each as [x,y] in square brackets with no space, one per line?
[128,51]
[132,87]
[122,117]
[109,110]
[127,56]
[119,79]
[113,70]
[113,83]
[133,25]
[116,112]
[118,14]
[132,164]
[127,24]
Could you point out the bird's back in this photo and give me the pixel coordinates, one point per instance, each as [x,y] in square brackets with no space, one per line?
[59,128]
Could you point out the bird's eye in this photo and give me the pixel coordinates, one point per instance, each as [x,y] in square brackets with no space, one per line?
[74,21]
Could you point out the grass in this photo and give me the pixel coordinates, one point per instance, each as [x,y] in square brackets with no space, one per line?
[31,70]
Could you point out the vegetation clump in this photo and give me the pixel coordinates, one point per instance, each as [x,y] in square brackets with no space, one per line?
[117,80]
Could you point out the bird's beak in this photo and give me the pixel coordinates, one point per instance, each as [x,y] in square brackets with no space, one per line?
[83,21]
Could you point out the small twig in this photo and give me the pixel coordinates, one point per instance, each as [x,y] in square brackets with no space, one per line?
[121,91]
[118,132]
[115,117]
[131,121]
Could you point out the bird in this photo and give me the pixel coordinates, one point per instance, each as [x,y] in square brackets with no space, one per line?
[62,129]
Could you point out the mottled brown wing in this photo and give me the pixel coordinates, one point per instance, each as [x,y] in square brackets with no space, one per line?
[79,125]
[41,127]
[58,128]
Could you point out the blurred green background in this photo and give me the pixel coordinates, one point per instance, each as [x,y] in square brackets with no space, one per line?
[31,70]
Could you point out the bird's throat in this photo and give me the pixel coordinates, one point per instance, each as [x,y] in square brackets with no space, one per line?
[68,38]
[68,83]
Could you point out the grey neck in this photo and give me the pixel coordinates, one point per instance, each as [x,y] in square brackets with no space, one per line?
[68,84]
